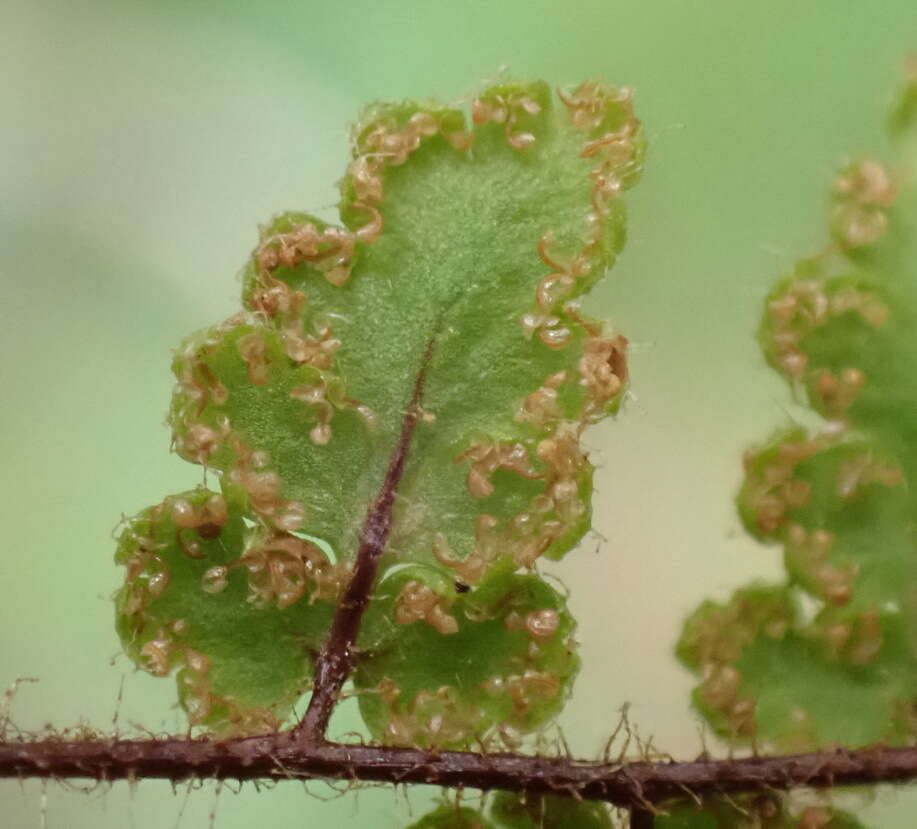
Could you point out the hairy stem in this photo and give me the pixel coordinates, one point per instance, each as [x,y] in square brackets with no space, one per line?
[283,757]
[335,660]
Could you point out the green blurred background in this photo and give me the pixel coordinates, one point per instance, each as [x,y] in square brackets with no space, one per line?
[141,143]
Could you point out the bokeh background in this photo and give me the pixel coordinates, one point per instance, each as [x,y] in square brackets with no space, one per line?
[141,143]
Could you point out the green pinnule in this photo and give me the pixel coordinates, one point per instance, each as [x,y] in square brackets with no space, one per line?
[452,281]
[827,658]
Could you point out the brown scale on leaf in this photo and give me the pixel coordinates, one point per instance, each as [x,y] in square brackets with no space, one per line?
[253,351]
[418,602]
[262,486]
[721,633]
[617,156]
[147,576]
[282,567]
[325,396]
[525,689]
[565,460]
[872,309]
[432,718]
[555,322]
[528,535]
[487,548]
[862,191]
[488,458]
[803,307]
[194,524]
[199,388]
[838,392]
[381,143]
[551,329]
[329,250]
[158,653]
[384,144]
[200,701]
[863,471]
[720,691]
[589,103]
[540,408]
[315,397]
[438,717]
[540,625]
[207,519]
[275,298]
[603,372]
[557,286]
[196,381]
[286,307]
[809,551]
[524,539]
[551,292]
[716,638]
[317,351]
[773,490]
[856,640]
[278,302]
[616,151]
[199,441]
[507,109]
